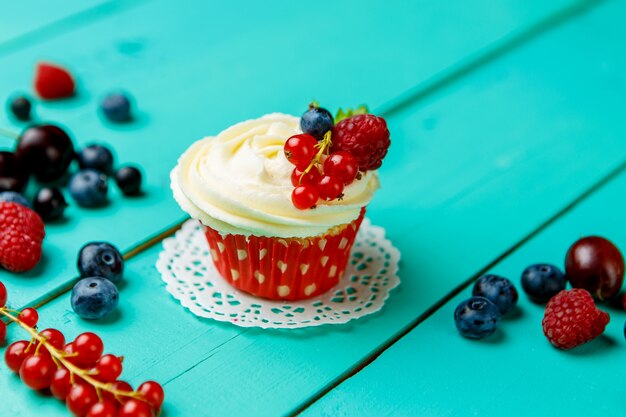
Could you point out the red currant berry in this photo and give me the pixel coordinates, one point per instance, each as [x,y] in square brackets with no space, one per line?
[343,165]
[135,408]
[61,384]
[3,332]
[81,398]
[108,368]
[330,187]
[37,371]
[15,355]
[118,386]
[54,337]
[88,348]
[304,196]
[103,409]
[29,317]
[153,393]
[298,177]
[300,150]
[3,295]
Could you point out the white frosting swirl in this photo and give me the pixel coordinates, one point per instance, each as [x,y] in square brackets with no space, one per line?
[239,182]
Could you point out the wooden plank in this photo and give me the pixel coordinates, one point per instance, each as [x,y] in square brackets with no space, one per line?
[196,70]
[463,209]
[434,371]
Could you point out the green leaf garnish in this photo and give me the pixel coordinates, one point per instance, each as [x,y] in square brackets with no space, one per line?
[341,114]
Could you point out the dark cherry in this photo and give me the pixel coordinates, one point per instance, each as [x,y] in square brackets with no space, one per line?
[13,176]
[46,151]
[597,265]
[49,203]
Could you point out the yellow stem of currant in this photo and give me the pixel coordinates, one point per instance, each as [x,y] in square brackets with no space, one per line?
[9,133]
[60,357]
[322,147]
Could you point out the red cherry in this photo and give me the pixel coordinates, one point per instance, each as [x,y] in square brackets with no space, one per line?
[3,295]
[88,348]
[103,409]
[15,355]
[54,337]
[311,177]
[135,408]
[3,331]
[108,368]
[304,196]
[118,386]
[153,393]
[81,398]
[596,265]
[37,371]
[61,384]
[29,317]
[330,187]
[343,165]
[300,150]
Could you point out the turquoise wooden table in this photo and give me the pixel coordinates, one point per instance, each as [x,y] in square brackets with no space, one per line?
[507,123]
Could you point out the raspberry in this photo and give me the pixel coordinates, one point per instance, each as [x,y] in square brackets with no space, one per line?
[365,136]
[571,319]
[21,234]
[53,82]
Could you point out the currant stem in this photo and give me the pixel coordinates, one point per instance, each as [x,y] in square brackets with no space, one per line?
[60,357]
[9,133]
[323,147]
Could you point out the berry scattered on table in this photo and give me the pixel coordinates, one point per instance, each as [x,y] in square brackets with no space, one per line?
[78,373]
[365,137]
[13,175]
[300,150]
[498,290]
[49,203]
[97,157]
[94,298]
[316,121]
[128,179]
[53,81]
[29,317]
[116,108]
[476,318]
[21,235]
[101,259]
[89,188]
[13,197]
[45,151]
[595,264]
[542,282]
[20,107]
[571,319]
[3,295]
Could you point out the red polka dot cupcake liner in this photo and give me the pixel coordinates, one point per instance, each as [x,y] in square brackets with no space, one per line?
[283,269]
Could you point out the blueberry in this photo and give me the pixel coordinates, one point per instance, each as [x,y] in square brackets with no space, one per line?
[94,298]
[316,122]
[49,203]
[476,318]
[116,107]
[13,197]
[498,290]
[128,178]
[542,282]
[20,107]
[101,259]
[96,157]
[89,188]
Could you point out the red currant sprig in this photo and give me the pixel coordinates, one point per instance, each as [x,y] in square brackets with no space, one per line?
[76,372]
[318,174]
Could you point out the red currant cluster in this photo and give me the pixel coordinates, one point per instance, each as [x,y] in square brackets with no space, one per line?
[76,372]
[318,173]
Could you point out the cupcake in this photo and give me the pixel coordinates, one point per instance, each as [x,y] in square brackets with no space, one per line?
[281,208]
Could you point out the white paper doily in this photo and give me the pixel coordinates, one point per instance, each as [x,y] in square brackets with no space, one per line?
[187,269]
